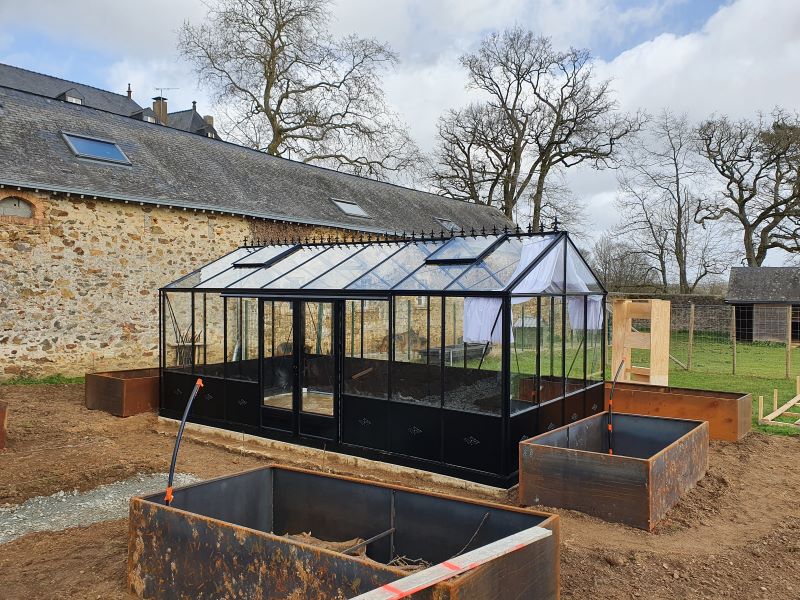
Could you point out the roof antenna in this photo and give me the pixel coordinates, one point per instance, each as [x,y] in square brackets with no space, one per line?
[162,89]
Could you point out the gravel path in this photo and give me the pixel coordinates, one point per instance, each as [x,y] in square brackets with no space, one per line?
[72,509]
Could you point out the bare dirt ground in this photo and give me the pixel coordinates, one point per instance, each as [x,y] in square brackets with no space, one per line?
[737,535]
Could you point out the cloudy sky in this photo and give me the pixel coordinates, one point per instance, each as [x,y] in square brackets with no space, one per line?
[698,56]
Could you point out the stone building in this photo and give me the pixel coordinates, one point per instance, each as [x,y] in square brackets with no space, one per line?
[103,201]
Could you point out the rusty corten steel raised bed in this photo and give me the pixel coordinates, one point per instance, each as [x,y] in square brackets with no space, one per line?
[656,460]
[123,393]
[3,423]
[226,538]
[729,415]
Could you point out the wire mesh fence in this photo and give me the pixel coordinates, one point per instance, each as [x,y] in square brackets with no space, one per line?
[750,341]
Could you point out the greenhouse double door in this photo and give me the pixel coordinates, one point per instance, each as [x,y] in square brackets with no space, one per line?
[299,376]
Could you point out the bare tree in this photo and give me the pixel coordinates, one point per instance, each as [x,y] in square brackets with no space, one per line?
[758,165]
[659,179]
[543,112]
[288,88]
[621,266]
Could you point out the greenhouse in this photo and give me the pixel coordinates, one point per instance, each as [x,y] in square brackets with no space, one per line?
[439,353]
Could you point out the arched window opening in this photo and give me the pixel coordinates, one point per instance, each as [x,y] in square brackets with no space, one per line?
[15,207]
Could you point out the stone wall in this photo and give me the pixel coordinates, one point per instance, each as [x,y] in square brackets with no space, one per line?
[79,280]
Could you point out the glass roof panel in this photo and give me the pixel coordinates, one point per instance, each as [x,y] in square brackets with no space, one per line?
[432,277]
[226,278]
[579,275]
[264,256]
[261,276]
[354,267]
[211,269]
[319,264]
[462,249]
[494,271]
[398,267]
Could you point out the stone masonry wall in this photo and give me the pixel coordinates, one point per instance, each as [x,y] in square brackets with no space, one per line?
[79,281]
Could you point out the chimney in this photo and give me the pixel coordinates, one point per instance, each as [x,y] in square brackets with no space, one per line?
[209,120]
[130,92]
[160,108]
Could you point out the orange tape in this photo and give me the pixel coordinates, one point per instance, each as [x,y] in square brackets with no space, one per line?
[199,382]
[168,496]
[610,427]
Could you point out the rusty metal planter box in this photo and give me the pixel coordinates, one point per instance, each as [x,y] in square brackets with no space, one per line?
[225,538]
[656,460]
[3,423]
[123,393]
[729,415]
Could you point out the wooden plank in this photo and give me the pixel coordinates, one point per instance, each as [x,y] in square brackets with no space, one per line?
[659,348]
[733,336]
[788,341]
[638,339]
[640,370]
[782,409]
[760,407]
[775,399]
[639,309]
[691,336]
[421,580]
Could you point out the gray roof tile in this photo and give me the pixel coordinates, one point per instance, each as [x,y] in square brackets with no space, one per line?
[170,166]
[53,87]
[748,285]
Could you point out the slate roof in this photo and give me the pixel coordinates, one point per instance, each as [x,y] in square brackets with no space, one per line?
[764,285]
[173,167]
[53,87]
[189,120]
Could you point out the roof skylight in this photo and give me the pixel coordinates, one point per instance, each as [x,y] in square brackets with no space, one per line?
[447,224]
[349,207]
[96,149]
[461,250]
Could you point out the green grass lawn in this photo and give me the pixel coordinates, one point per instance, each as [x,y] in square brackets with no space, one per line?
[49,380]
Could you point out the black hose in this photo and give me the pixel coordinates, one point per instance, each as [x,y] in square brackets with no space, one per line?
[611,408]
[168,495]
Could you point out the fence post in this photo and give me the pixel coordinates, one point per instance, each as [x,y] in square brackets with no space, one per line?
[691,336]
[788,341]
[733,336]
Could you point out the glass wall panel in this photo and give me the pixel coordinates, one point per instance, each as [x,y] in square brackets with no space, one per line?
[594,339]
[525,330]
[575,341]
[552,356]
[242,338]
[579,276]
[317,365]
[472,381]
[278,371]
[366,348]
[416,371]
[209,332]
[178,340]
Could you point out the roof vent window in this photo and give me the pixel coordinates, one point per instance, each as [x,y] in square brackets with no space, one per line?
[349,207]
[96,149]
[74,100]
[447,224]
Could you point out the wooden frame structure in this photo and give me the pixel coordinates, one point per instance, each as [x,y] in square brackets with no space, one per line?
[625,338]
[783,411]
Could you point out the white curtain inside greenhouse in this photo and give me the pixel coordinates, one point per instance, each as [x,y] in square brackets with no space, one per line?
[482,315]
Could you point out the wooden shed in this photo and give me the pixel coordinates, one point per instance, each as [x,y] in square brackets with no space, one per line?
[767,303]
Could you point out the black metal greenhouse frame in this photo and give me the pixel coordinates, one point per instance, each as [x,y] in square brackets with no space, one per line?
[461,444]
